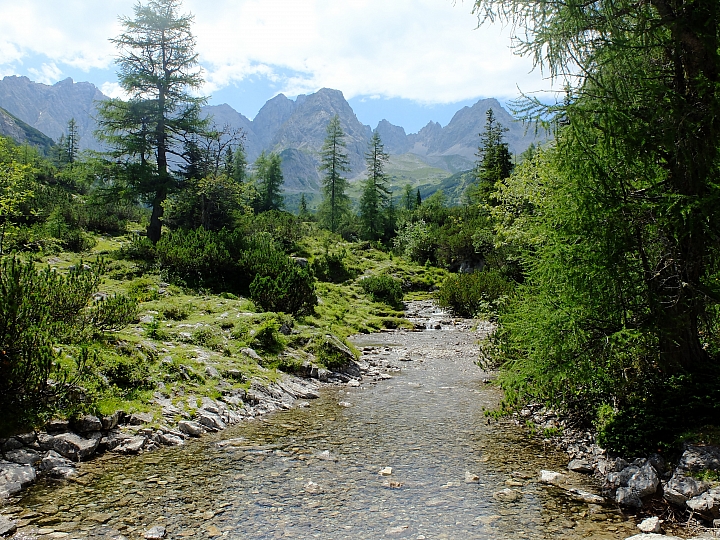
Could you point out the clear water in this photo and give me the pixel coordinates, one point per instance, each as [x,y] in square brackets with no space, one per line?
[315,472]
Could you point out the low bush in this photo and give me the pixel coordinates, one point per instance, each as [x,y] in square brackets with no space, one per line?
[333,268]
[467,295]
[383,289]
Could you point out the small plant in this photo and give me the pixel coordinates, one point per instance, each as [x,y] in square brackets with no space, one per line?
[176,312]
[383,289]
[267,337]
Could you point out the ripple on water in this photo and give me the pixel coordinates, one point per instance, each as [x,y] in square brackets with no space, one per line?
[316,472]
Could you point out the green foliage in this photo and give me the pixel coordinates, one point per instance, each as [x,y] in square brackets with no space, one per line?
[269,181]
[383,288]
[40,309]
[334,163]
[333,267]
[287,287]
[127,370]
[469,295]
[267,337]
[494,160]
[375,193]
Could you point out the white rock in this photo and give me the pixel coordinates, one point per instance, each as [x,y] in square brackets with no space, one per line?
[471,478]
[645,482]
[650,525]
[387,471]
[552,477]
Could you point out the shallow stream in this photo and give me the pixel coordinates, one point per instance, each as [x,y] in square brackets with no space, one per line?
[315,472]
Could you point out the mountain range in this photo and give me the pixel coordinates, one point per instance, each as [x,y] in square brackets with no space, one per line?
[293,128]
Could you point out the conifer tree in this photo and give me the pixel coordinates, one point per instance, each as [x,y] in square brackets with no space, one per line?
[158,69]
[269,181]
[494,160]
[375,192]
[334,163]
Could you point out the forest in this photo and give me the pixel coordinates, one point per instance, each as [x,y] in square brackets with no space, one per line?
[595,253]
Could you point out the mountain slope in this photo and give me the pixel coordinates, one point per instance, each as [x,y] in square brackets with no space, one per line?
[50,108]
[21,133]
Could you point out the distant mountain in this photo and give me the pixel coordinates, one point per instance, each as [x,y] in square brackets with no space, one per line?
[50,108]
[21,133]
[294,128]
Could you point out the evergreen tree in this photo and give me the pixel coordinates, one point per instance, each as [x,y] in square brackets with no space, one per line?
[375,192]
[269,181]
[303,212]
[408,198]
[72,142]
[158,69]
[239,165]
[494,160]
[418,199]
[334,162]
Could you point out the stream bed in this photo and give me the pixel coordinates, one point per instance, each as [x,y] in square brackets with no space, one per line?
[409,456]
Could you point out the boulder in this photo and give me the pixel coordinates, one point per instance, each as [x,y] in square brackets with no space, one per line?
[580,466]
[155,533]
[585,496]
[14,473]
[7,526]
[508,495]
[653,536]
[131,445]
[57,466]
[700,458]
[707,504]
[191,428]
[23,456]
[552,477]
[112,421]
[87,424]
[138,419]
[334,348]
[650,525]
[626,496]
[170,440]
[74,446]
[57,426]
[681,488]
[210,421]
[645,481]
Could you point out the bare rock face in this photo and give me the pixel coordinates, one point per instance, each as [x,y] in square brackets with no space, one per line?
[75,447]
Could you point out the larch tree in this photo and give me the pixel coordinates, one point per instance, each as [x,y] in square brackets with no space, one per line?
[375,194]
[623,293]
[334,163]
[158,70]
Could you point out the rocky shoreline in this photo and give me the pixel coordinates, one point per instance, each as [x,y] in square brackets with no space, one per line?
[642,485]
[636,486]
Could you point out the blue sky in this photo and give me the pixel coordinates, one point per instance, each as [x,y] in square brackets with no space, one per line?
[409,61]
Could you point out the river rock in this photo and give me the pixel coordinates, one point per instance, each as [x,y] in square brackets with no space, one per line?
[552,477]
[652,536]
[508,495]
[87,423]
[645,481]
[156,533]
[74,447]
[471,478]
[706,505]
[169,439]
[7,526]
[11,444]
[210,421]
[585,496]
[57,466]
[112,421]
[191,428]
[139,418]
[247,351]
[131,445]
[650,525]
[14,473]
[57,426]
[681,488]
[626,496]
[580,466]
[387,471]
[23,456]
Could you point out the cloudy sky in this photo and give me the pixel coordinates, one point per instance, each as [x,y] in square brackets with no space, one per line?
[410,61]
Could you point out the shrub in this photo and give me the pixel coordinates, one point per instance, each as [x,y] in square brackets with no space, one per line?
[290,290]
[39,309]
[383,289]
[331,267]
[126,372]
[267,337]
[467,295]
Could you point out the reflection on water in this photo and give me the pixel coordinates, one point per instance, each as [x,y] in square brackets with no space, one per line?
[315,472]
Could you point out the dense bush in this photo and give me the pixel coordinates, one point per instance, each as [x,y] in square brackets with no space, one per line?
[333,267]
[468,295]
[40,309]
[383,289]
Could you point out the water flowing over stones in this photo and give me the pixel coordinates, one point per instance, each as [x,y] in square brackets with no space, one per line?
[417,410]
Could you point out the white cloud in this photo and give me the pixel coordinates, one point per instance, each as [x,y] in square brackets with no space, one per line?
[47,74]
[423,50]
[113,90]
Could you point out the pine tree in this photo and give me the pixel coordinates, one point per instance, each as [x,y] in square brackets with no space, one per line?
[269,181]
[72,142]
[239,167]
[375,192]
[334,162]
[158,69]
[303,212]
[494,160]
